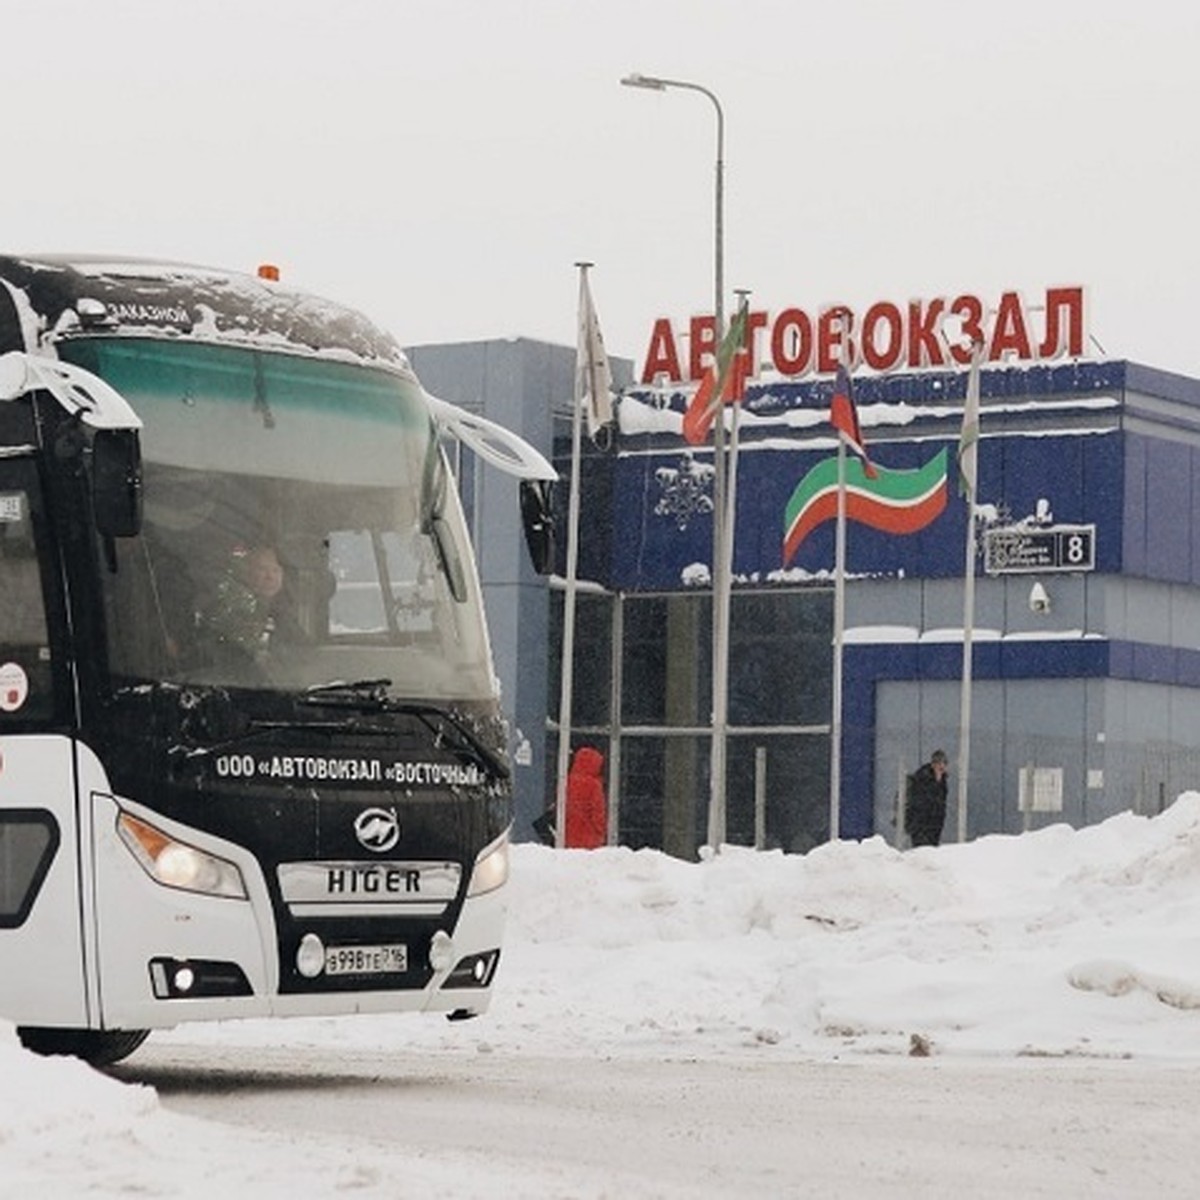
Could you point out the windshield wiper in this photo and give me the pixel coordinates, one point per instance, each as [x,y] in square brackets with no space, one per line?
[366,695]
[370,695]
[466,742]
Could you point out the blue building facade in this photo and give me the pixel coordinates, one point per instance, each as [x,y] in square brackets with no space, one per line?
[1087,611]
[1086,622]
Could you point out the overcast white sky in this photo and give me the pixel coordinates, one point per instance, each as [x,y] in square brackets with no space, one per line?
[441,164]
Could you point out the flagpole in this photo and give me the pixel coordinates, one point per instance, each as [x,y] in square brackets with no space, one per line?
[839,584]
[968,458]
[722,529]
[964,715]
[839,626]
[567,670]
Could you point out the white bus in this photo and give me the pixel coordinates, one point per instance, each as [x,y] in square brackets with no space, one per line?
[251,755]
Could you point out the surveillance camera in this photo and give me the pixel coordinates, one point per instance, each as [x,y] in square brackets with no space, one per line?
[1039,600]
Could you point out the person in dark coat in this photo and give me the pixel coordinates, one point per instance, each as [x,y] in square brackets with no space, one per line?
[925,803]
[587,809]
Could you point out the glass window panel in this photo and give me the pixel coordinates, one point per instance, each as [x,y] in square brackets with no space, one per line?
[780,658]
[796,780]
[22,608]
[592,678]
[27,843]
[668,642]
[593,660]
[664,794]
[26,674]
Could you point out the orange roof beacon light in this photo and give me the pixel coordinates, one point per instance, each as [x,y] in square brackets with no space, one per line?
[268,271]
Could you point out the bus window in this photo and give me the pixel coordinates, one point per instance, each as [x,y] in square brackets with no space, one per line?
[384,583]
[28,839]
[25,680]
[22,613]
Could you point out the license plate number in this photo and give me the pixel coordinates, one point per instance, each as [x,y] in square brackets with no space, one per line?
[366,960]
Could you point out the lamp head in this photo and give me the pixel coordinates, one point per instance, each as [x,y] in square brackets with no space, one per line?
[637,79]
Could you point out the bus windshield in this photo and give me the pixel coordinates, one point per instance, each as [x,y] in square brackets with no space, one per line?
[300,527]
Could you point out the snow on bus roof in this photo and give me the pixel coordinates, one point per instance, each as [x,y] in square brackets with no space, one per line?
[86,295]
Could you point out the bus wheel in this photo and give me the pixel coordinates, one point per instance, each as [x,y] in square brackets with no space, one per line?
[100,1047]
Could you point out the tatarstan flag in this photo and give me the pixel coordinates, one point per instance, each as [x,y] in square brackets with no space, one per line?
[893,501]
[724,381]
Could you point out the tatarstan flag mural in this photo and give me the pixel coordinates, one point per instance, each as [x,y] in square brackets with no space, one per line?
[893,501]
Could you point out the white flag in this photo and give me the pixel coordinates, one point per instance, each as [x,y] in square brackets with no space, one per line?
[593,378]
[968,442]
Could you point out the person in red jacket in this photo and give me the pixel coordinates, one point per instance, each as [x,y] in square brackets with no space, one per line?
[587,809]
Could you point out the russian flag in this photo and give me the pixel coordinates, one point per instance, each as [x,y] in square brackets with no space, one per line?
[843,416]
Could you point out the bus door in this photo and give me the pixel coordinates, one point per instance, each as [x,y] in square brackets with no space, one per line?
[42,949]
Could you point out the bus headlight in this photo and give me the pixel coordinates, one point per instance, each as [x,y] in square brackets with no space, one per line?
[175,864]
[491,867]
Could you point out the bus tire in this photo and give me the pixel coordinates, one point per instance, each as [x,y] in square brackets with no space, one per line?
[99,1047]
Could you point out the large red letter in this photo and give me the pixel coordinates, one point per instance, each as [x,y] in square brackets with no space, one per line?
[970,309]
[792,328]
[702,339]
[1009,333]
[924,350]
[1071,299]
[833,338]
[662,357]
[889,357]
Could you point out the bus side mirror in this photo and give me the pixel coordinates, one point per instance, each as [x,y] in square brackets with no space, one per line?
[117,482]
[537,515]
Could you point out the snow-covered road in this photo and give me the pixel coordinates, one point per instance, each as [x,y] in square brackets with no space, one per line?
[496,1124]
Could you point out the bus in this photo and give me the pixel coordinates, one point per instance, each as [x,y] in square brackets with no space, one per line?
[252,760]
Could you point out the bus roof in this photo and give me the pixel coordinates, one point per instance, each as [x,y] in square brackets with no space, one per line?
[47,298]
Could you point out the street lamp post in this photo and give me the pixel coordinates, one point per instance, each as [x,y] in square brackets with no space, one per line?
[722,519]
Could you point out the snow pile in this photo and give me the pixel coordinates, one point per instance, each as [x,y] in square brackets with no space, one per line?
[39,1095]
[1055,942]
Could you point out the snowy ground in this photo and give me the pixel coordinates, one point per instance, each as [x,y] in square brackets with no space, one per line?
[1061,944]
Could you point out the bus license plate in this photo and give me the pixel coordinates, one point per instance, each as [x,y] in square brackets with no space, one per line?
[366,960]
